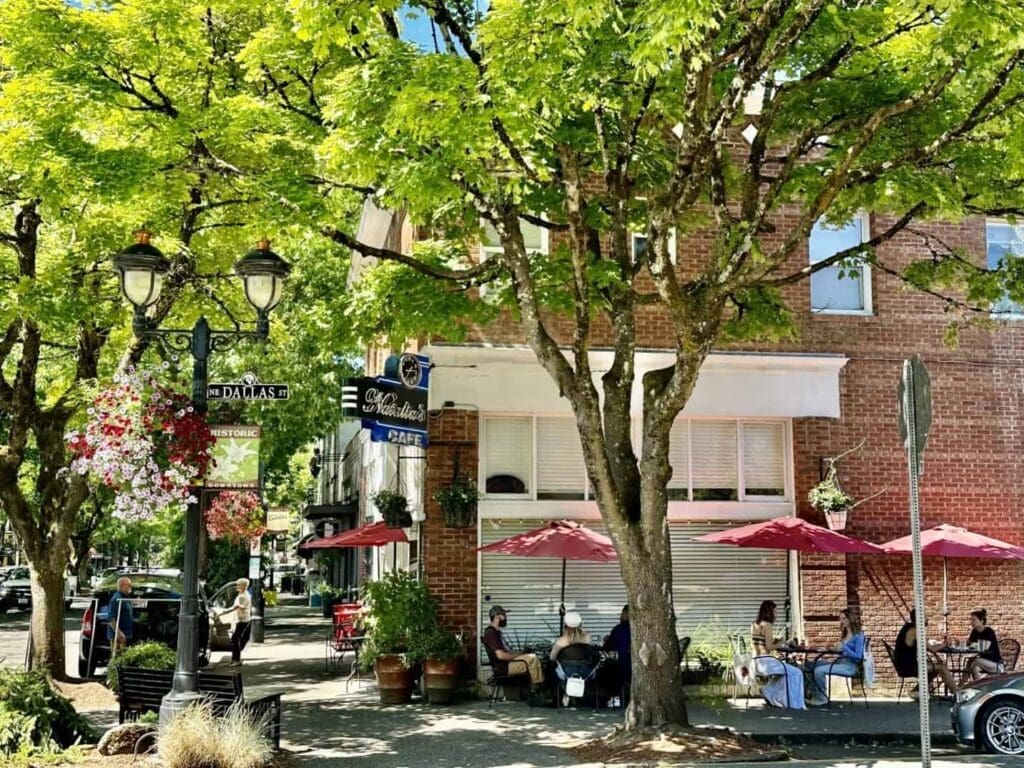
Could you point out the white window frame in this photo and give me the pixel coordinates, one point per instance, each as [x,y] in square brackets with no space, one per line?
[486,251]
[866,294]
[633,235]
[995,315]
[742,497]
[533,491]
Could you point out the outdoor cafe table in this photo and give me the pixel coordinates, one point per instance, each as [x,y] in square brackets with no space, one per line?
[958,658]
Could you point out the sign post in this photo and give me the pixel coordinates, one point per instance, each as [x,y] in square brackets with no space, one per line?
[915,399]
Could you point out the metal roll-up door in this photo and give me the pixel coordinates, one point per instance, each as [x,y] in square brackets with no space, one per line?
[711,583]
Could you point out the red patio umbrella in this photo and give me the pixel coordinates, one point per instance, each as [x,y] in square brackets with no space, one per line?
[560,539]
[371,535]
[791,533]
[948,541]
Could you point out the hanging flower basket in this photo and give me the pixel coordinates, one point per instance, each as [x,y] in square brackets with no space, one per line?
[146,442]
[458,502]
[836,519]
[394,508]
[235,516]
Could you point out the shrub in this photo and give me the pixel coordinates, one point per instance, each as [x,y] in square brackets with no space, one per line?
[197,738]
[144,656]
[34,717]
[400,609]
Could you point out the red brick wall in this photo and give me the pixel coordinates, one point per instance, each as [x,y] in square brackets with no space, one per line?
[973,463]
[449,554]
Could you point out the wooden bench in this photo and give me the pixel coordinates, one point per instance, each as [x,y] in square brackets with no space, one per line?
[142,690]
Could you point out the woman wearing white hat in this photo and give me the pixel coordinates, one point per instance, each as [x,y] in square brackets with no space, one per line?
[576,665]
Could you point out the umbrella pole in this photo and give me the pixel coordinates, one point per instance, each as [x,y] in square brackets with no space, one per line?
[561,607]
[945,597]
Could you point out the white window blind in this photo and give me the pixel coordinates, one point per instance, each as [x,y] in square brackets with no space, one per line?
[534,238]
[764,459]
[561,473]
[715,474]
[508,453]
[679,460]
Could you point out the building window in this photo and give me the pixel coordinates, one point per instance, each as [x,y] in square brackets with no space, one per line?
[728,460]
[1004,241]
[561,471]
[713,460]
[508,456]
[535,238]
[638,245]
[841,288]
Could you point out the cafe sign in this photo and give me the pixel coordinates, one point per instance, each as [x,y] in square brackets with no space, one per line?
[278,519]
[393,406]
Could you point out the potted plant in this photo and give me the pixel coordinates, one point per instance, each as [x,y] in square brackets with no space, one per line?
[329,595]
[398,609]
[458,502]
[440,652]
[394,508]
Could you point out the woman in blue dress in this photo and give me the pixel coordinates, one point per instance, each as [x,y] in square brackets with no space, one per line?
[786,684]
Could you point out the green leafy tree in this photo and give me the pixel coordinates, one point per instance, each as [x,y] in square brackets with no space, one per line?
[610,118]
[111,116]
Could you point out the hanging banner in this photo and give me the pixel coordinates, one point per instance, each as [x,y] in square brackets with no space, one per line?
[236,457]
[394,406]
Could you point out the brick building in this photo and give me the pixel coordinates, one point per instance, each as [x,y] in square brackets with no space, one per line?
[748,447]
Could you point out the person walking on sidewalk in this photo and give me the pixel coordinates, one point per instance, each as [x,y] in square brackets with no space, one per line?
[242,608]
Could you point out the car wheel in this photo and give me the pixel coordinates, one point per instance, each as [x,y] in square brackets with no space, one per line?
[85,672]
[1001,726]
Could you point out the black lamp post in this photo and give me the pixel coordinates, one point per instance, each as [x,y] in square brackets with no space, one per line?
[141,269]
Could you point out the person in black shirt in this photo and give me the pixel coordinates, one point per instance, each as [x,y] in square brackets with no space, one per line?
[504,660]
[906,656]
[988,661]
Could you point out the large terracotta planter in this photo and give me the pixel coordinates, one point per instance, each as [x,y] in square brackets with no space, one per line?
[394,679]
[441,678]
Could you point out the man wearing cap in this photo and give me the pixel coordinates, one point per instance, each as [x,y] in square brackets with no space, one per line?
[507,662]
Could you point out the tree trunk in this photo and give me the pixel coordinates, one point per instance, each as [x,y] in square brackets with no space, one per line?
[656,693]
[47,575]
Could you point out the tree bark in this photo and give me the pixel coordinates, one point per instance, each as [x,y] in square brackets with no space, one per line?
[47,575]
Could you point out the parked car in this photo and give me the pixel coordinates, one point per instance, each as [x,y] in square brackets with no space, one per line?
[16,590]
[989,714]
[156,603]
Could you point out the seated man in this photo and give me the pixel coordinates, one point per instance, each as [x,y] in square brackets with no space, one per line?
[506,661]
[906,656]
[620,641]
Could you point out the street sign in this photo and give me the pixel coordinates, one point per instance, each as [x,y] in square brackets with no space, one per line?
[915,376]
[247,388]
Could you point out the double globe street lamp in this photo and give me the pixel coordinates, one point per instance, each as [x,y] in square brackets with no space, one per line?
[142,269]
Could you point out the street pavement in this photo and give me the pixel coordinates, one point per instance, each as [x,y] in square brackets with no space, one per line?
[14,636]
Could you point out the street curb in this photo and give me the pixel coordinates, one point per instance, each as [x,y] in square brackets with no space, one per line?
[846,739]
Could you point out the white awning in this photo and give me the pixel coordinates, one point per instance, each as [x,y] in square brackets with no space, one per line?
[734,384]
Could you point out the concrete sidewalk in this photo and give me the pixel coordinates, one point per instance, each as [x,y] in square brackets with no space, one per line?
[327,722]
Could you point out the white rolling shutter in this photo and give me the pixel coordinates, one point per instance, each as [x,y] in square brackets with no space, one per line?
[561,472]
[679,459]
[508,449]
[715,474]
[712,586]
[764,459]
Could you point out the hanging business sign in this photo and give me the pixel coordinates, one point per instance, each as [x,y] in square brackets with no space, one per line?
[236,457]
[393,406]
[278,519]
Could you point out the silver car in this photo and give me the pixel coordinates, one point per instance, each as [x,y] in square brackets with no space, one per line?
[989,714]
